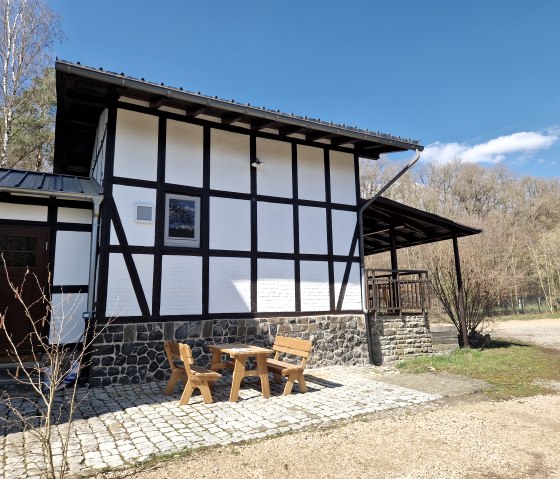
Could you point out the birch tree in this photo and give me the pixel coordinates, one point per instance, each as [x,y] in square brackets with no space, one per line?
[28,33]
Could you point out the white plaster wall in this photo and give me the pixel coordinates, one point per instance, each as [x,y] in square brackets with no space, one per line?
[311,173]
[181,285]
[67,323]
[314,286]
[343,225]
[136,145]
[100,146]
[121,299]
[230,285]
[275,227]
[71,265]
[312,230]
[183,153]
[126,198]
[353,295]
[230,224]
[74,215]
[12,211]
[229,161]
[274,177]
[275,285]
[343,181]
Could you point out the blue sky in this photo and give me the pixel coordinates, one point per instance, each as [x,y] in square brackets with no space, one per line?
[478,80]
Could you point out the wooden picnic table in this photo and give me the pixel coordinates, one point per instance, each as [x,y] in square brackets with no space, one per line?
[240,353]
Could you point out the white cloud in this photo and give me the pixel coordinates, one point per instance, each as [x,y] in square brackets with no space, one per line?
[523,143]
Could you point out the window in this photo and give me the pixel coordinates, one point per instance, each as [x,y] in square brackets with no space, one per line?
[182,221]
[18,251]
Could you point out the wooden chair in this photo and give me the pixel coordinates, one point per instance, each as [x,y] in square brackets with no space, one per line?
[294,372]
[193,376]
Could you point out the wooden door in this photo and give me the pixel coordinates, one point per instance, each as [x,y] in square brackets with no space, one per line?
[24,264]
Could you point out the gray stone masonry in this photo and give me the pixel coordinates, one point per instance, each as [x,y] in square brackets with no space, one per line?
[133,353]
[395,338]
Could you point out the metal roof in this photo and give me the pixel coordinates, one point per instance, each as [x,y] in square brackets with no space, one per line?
[83,92]
[411,226]
[48,184]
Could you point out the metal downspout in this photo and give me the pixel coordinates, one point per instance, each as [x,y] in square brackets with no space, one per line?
[90,314]
[362,248]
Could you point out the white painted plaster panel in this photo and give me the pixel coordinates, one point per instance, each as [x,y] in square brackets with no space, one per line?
[74,215]
[314,286]
[230,285]
[274,177]
[67,322]
[311,173]
[145,267]
[230,224]
[136,145]
[183,154]
[71,265]
[353,295]
[275,227]
[100,147]
[121,299]
[276,285]
[12,211]
[181,285]
[343,225]
[343,181]
[312,230]
[126,198]
[229,161]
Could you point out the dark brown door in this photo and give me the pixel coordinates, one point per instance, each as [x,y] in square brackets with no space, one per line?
[24,264]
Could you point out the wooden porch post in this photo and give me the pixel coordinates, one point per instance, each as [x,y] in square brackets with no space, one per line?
[395,267]
[461,292]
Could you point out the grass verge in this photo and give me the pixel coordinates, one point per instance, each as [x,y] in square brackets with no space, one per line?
[512,369]
[526,317]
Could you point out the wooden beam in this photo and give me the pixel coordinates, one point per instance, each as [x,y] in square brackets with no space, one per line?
[317,135]
[261,124]
[195,110]
[290,130]
[230,118]
[157,102]
[344,140]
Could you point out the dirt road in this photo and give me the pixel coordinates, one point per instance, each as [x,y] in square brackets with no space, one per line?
[473,439]
[543,332]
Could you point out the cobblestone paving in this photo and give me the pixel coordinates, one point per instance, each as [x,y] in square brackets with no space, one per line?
[118,425]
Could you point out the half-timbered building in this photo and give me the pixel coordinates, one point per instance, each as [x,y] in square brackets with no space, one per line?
[175,215]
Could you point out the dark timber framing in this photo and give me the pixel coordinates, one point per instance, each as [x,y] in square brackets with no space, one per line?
[162,187]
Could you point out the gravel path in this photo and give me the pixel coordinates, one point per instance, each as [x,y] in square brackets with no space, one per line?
[543,332]
[446,439]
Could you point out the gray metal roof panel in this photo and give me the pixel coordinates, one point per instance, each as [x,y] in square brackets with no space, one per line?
[48,182]
[166,91]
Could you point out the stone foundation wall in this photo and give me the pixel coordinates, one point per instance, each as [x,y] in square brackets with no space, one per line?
[395,338]
[133,353]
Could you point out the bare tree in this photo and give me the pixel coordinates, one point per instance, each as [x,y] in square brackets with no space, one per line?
[49,372]
[28,32]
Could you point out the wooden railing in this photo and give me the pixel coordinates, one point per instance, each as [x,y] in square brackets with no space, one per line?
[396,291]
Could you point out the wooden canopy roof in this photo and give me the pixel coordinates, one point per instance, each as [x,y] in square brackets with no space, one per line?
[83,93]
[385,218]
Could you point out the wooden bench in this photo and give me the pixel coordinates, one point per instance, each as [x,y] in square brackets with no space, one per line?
[293,372]
[193,376]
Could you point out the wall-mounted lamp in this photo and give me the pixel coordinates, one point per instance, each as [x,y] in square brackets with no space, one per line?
[257,163]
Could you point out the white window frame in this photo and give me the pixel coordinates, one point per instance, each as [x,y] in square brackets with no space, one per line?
[185,242]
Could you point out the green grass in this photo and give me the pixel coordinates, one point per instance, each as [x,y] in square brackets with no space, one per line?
[512,369]
[527,316]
